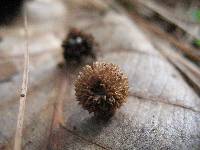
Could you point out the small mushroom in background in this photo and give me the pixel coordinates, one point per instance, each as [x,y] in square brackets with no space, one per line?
[79,48]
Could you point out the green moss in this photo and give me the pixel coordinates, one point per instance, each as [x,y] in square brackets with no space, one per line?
[196,43]
[196,15]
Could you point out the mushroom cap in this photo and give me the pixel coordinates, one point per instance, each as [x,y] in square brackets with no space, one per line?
[101,88]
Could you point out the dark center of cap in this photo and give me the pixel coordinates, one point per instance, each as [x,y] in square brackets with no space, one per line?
[98,88]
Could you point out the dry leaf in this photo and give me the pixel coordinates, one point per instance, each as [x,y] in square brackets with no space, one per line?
[162,111]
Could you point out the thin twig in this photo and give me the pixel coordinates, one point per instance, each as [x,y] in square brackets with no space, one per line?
[20,120]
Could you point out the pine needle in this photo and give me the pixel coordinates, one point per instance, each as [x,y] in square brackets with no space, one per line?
[20,120]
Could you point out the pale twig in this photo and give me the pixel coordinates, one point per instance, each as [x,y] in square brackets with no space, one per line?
[20,119]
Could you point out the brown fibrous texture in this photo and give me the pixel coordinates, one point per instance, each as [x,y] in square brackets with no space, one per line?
[79,46]
[101,88]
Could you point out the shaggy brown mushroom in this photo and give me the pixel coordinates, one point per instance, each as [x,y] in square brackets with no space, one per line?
[78,46]
[101,88]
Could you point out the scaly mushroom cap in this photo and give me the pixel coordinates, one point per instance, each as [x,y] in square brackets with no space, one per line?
[78,46]
[101,88]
